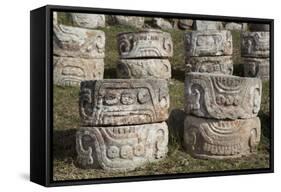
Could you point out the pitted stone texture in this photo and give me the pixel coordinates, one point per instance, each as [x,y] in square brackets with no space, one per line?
[208,43]
[69,71]
[207,25]
[257,67]
[234,26]
[121,148]
[132,21]
[221,139]
[144,69]
[185,24]
[259,27]
[219,64]
[255,44]
[222,96]
[162,23]
[123,101]
[90,21]
[78,42]
[149,43]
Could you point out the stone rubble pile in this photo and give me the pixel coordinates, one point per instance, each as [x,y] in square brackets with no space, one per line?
[221,109]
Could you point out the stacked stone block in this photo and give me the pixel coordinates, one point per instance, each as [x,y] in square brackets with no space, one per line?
[144,54]
[122,123]
[255,52]
[221,109]
[78,54]
[209,52]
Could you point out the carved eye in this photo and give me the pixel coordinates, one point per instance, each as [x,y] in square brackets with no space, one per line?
[111,99]
[128,98]
[113,152]
[143,96]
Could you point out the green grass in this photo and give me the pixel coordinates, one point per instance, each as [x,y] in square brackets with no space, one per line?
[66,121]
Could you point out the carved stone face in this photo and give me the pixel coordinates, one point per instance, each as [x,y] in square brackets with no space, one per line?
[221,96]
[221,139]
[255,44]
[121,148]
[122,102]
[145,44]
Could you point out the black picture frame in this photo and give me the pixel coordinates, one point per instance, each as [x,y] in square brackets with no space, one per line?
[41,99]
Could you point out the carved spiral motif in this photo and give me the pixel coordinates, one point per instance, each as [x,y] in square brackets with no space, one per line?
[85,103]
[125,44]
[139,150]
[167,44]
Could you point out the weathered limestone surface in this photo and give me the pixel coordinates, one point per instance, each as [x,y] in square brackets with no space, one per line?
[207,25]
[222,96]
[132,21]
[78,42]
[69,71]
[259,27]
[221,139]
[162,23]
[123,101]
[255,44]
[257,67]
[121,148]
[55,18]
[90,21]
[144,68]
[234,26]
[219,64]
[208,43]
[148,43]
[185,24]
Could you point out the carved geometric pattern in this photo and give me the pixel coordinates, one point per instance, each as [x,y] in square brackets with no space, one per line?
[222,96]
[221,139]
[121,148]
[256,67]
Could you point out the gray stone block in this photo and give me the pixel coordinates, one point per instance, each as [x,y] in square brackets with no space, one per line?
[255,44]
[207,25]
[144,69]
[221,139]
[208,43]
[69,71]
[219,64]
[257,67]
[121,148]
[137,22]
[123,101]
[91,21]
[148,43]
[222,96]
[78,42]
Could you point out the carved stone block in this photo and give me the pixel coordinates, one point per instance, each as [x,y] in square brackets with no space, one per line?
[222,96]
[221,139]
[132,21]
[208,43]
[90,21]
[149,43]
[219,64]
[185,24]
[207,25]
[121,148]
[255,44]
[144,68]
[123,101]
[69,71]
[257,67]
[78,42]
